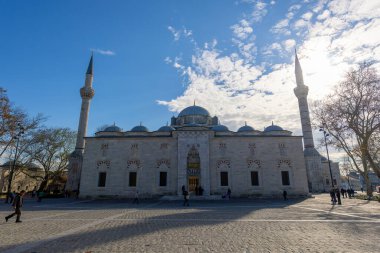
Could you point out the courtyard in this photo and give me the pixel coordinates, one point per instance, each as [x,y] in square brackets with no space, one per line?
[236,225]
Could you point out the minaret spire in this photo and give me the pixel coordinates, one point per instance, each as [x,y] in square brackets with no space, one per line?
[298,71]
[90,68]
[301,92]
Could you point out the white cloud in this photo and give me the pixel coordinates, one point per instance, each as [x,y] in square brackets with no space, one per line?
[242,30]
[289,44]
[295,7]
[344,33]
[259,11]
[307,16]
[282,27]
[301,23]
[325,14]
[178,33]
[103,51]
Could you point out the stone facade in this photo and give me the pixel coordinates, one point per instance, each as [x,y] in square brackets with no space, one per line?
[27,178]
[232,155]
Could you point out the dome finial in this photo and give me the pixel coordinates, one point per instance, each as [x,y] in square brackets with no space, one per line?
[245,122]
[272,122]
[194,102]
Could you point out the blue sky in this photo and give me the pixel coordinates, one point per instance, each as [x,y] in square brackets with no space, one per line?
[153,58]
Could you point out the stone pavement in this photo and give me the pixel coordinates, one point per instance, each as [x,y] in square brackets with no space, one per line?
[242,225]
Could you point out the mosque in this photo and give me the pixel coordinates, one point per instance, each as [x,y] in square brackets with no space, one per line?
[194,152]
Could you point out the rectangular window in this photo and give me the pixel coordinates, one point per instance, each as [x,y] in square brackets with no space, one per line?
[132,179]
[327,181]
[163,176]
[285,177]
[334,181]
[254,178]
[102,179]
[224,178]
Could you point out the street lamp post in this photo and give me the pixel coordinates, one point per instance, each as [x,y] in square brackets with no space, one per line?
[325,134]
[10,175]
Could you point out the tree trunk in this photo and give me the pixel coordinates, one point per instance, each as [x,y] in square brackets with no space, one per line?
[44,184]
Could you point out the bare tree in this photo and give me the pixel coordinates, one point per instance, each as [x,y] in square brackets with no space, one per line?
[351,114]
[10,119]
[51,149]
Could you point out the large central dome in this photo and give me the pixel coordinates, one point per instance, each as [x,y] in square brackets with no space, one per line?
[194,110]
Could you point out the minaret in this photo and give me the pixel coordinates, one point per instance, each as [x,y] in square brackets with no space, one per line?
[87,93]
[76,158]
[301,92]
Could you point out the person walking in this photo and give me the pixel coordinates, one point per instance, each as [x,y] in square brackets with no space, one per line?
[337,193]
[332,195]
[229,193]
[136,199]
[342,192]
[186,198]
[285,195]
[17,204]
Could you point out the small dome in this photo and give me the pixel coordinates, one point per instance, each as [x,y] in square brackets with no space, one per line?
[246,128]
[139,129]
[112,129]
[220,128]
[194,110]
[273,128]
[165,129]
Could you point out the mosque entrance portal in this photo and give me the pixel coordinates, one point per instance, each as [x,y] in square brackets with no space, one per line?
[193,169]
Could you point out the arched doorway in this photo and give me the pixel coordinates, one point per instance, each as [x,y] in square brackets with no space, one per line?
[193,169]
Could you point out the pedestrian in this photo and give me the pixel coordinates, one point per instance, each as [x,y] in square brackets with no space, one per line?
[183,189]
[337,193]
[186,198]
[229,193]
[200,190]
[136,199]
[285,195]
[39,196]
[346,193]
[342,192]
[332,195]
[17,204]
[33,193]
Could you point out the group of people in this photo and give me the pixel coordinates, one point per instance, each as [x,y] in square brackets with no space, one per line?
[349,193]
[335,196]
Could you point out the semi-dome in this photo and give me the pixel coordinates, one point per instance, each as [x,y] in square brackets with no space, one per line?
[139,129]
[112,129]
[165,129]
[194,110]
[273,128]
[220,128]
[246,128]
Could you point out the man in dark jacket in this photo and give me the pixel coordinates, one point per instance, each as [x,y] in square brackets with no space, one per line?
[17,204]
